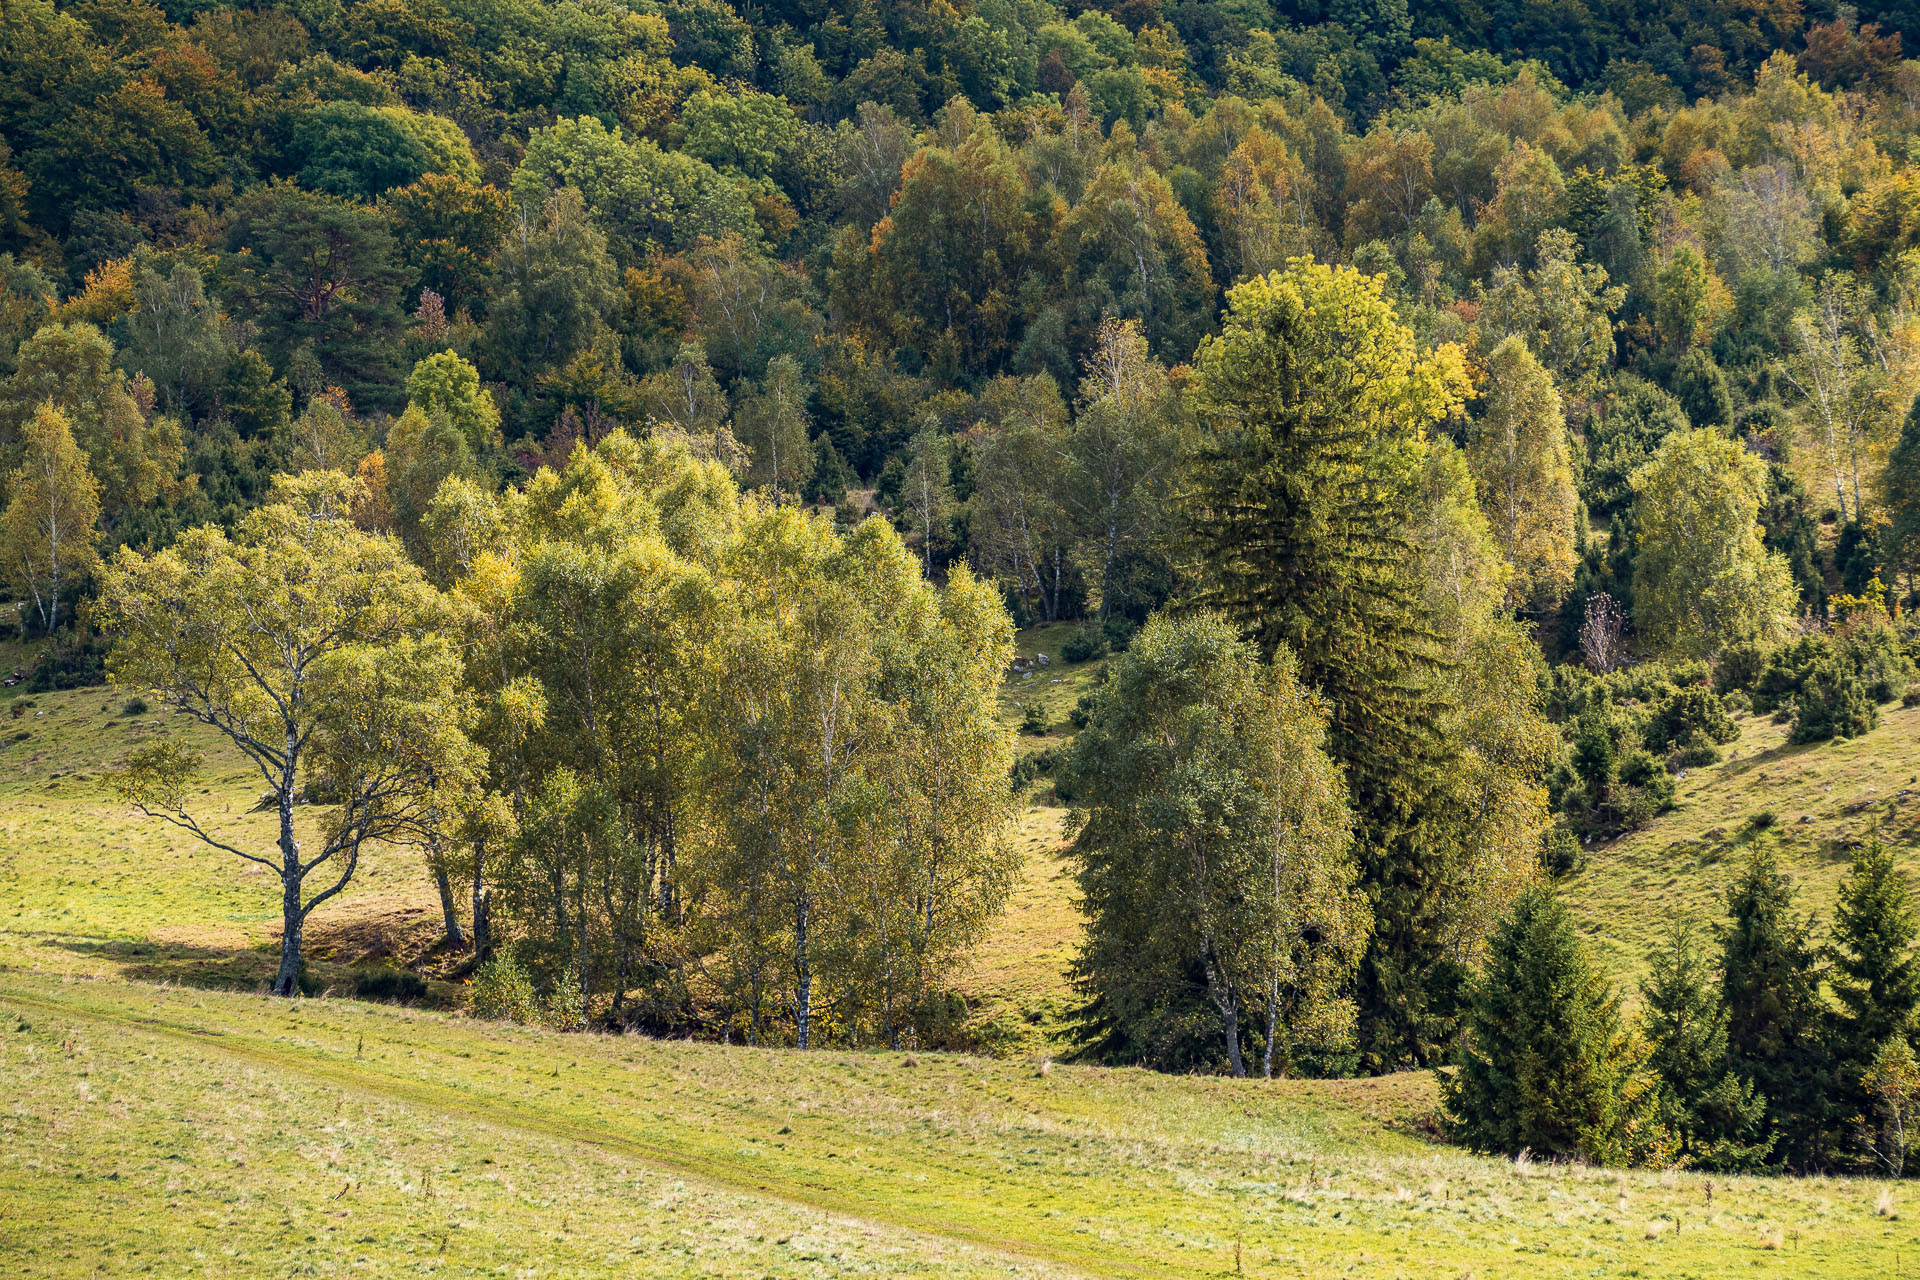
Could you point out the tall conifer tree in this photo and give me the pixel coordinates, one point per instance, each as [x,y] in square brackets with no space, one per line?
[1313,405]
[1546,1063]
[1776,1026]
[1714,1114]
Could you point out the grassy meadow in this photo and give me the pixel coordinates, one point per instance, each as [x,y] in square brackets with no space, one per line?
[175,1131]
[163,1118]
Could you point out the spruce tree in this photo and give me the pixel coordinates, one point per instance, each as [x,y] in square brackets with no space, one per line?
[1715,1116]
[1546,1063]
[1312,403]
[1776,1025]
[1876,977]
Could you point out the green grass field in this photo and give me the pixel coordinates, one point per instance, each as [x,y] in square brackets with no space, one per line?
[162,1118]
[176,1132]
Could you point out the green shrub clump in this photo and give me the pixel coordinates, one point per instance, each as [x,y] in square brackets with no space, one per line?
[1083,646]
[503,992]
[1833,702]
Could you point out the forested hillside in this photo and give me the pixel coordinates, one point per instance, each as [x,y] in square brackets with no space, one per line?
[607,451]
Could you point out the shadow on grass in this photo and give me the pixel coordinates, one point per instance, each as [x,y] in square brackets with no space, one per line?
[223,968]
[210,968]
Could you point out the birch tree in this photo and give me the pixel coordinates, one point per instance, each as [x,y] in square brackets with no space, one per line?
[1523,470]
[1214,852]
[310,647]
[47,531]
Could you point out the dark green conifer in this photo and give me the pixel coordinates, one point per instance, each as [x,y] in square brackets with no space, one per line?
[1546,1063]
[1876,975]
[1715,1116]
[1776,1025]
[1900,541]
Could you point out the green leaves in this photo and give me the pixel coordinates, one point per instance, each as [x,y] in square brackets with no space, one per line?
[1703,579]
[156,776]
[1215,840]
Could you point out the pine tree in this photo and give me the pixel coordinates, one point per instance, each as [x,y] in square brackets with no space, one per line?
[1546,1063]
[831,476]
[1776,1025]
[1715,1115]
[1876,975]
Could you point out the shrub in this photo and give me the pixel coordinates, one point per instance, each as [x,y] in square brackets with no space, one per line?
[1877,654]
[134,707]
[1910,696]
[1033,719]
[70,664]
[1028,767]
[567,1008]
[1694,750]
[1739,666]
[394,986]
[501,990]
[1686,715]
[1118,632]
[1082,646]
[1560,852]
[1786,670]
[1833,702]
[1645,792]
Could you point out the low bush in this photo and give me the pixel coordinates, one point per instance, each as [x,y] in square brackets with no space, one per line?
[502,991]
[1833,702]
[1560,852]
[1686,716]
[1083,646]
[392,986]
[1695,749]
[1118,633]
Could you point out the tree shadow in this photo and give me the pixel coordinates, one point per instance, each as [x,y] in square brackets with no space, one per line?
[246,969]
[208,968]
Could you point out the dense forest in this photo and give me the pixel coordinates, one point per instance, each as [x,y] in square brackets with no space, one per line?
[610,446]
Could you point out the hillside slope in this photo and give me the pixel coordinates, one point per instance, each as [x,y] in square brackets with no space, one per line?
[185,1129]
[196,1132]
[1813,803]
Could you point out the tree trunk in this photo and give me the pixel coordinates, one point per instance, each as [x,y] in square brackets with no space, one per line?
[293,917]
[1273,1025]
[482,934]
[287,981]
[1227,1000]
[1230,1023]
[803,977]
[452,918]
